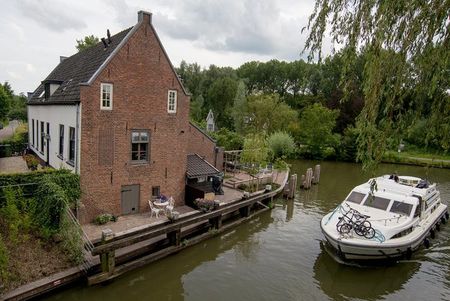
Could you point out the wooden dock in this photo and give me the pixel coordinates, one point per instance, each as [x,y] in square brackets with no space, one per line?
[171,237]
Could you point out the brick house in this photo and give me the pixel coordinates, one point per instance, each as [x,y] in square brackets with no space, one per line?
[118,115]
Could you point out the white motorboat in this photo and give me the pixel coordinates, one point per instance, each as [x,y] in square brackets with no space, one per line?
[387,217]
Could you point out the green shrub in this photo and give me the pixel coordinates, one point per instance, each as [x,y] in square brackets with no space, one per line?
[227,139]
[4,259]
[103,218]
[72,243]
[32,161]
[281,144]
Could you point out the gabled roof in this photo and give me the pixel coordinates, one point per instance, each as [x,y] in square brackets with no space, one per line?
[199,167]
[75,70]
[202,131]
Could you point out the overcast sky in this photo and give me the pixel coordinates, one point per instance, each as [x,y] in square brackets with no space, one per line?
[222,32]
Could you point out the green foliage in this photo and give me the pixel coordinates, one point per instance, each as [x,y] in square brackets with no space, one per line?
[4,261]
[227,139]
[205,205]
[317,123]
[72,243]
[18,108]
[281,165]
[195,110]
[240,108]
[17,142]
[398,41]
[102,219]
[11,215]
[86,42]
[220,98]
[50,204]
[255,150]
[33,179]
[347,149]
[281,144]
[32,161]
[5,102]
[266,112]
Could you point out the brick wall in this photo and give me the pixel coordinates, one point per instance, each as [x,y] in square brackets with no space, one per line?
[141,75]
[201,144]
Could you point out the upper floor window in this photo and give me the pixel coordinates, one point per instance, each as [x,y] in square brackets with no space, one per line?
[172,101]
[106,96]
[139,146]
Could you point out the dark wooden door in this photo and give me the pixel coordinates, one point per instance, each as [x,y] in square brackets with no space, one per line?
[130,199]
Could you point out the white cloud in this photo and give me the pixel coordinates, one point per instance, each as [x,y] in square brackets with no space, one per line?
[220,32]
[30,67]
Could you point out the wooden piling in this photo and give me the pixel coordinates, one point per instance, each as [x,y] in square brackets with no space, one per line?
[107,259]
[302,181]
[292,186]
[308,178]
[316,177]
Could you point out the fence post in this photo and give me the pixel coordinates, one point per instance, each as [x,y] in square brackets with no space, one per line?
[107,259]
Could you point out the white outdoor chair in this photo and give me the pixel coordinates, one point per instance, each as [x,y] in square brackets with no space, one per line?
[153,209]
[169,208]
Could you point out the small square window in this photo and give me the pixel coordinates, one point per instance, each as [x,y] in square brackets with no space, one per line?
[172,101]
[106,96]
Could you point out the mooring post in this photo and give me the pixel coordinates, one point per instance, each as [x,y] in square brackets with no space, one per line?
[174,237]
[292,186]
[107,259]
[302,181]
[245,211]
[308,179]
[316,177]
[216,222]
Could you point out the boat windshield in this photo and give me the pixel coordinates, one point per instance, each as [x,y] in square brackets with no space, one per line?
[355,197]
[402,208]
[377,202]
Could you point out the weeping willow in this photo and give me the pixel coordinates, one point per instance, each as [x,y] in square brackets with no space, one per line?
[406,72]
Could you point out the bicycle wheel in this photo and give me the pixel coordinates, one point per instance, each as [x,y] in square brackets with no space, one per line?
[344,228]
[370,233]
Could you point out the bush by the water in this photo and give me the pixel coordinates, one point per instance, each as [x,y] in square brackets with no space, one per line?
[281,144]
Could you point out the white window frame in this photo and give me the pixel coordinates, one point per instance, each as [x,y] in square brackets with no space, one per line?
[174,104]
[110,98]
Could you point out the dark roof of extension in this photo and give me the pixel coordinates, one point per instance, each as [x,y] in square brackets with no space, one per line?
[199,167]
[77,69]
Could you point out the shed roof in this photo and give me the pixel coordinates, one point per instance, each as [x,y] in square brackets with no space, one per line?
[199,167]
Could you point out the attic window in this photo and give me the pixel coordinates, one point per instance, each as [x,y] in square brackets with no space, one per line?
[106,96]
[172,101]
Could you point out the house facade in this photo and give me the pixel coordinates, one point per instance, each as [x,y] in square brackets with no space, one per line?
[118,115]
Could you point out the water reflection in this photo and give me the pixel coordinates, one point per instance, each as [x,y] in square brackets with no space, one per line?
[339,281]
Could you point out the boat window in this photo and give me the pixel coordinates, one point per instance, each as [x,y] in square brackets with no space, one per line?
[402,208]
[355,197]
[377,202]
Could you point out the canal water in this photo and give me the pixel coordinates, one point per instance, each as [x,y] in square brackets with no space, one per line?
[277,256]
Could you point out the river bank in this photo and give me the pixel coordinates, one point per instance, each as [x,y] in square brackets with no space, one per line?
[417,160]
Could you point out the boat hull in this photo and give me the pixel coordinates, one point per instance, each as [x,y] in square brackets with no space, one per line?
[355,249]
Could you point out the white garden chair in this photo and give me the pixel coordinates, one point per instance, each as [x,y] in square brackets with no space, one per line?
[169,208]
[153,209]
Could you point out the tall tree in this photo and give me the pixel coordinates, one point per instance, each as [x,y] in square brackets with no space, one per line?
[5,101]
[86,42]
[220,98]
[267,113]
[317,123]
[406,44]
